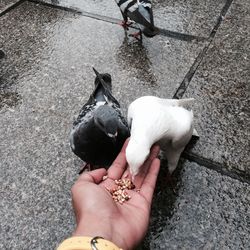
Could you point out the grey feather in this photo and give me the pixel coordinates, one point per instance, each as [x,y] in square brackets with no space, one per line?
[100,130]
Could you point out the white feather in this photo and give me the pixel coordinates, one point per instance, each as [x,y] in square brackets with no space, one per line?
[159,120]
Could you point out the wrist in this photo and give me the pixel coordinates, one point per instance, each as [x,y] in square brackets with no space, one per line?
[87,243]
[93,226]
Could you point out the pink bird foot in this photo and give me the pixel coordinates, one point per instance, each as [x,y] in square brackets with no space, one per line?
[137,36]
[126,24]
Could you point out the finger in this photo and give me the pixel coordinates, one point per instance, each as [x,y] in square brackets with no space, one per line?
[119,165]
[145,167]
[148,185]
[126,174]
[94,176]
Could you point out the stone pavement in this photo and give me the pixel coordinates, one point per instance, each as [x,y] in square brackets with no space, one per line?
[46,75]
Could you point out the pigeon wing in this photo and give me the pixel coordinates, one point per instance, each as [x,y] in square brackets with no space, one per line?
[86,113]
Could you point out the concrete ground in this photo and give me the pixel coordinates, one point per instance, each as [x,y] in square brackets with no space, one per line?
[47,50]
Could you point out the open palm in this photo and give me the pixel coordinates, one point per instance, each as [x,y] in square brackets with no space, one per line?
[97,214]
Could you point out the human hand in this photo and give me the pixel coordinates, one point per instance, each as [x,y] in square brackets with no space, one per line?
[97,214]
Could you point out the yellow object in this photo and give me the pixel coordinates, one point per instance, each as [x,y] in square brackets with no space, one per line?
[84,243]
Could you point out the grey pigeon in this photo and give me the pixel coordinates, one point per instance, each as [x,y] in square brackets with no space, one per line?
[100,130]
[162,121]
[140,11]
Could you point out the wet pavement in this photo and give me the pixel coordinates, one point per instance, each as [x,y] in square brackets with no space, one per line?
[192,17]
[46,75]
[221,89]
[205,213]
[6,4]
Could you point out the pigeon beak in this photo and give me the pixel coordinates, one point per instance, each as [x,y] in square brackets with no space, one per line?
[113,137]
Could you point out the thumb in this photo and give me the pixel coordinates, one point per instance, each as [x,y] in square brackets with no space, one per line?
[94,176]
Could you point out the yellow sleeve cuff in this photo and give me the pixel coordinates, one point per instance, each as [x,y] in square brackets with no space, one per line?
[83,243]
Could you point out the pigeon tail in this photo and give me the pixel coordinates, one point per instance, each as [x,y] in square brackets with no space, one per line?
[107,79]
[103,87]
[185,101]
[103,79]
[176,102]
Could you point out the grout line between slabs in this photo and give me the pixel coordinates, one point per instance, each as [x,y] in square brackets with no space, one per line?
[235,174]
[218,167]
[188,77]
[163,32]
[11,7]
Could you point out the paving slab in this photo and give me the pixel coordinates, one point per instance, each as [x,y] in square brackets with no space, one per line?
[101,7]
[208,211]
[67,45]
[5,4]
[221,89]
[192,16]
[48,58]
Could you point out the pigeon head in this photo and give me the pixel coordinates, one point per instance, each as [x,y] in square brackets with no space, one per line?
[136,154]
[106,119]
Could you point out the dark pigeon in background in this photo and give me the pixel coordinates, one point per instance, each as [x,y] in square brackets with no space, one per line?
[139,11]
[100,130]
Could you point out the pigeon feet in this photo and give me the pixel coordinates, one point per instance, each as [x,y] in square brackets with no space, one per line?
[126,24]
[137,36]
[171,182]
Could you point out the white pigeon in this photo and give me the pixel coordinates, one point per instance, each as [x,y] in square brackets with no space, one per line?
[162,121]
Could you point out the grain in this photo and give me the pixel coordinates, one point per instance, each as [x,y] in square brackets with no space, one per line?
[105,177]
[119,193]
